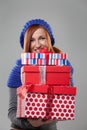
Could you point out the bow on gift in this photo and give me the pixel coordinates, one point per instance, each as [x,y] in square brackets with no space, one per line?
[22,90]
[44,50]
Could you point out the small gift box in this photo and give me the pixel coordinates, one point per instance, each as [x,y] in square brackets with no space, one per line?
[44,59]
[51,75]
[46,102]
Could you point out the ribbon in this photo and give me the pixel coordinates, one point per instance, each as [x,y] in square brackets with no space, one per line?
[42,70]
[50,90]
[44,50]
[47,89]
[22,90]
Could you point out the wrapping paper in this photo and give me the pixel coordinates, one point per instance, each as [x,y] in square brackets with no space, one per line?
[55,75]
[58,62]
[43,59]
[46,105]
[43,55]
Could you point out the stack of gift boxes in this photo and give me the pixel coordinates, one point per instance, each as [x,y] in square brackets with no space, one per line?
[45,92]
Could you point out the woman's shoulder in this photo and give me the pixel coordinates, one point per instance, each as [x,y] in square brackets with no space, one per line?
[14,79]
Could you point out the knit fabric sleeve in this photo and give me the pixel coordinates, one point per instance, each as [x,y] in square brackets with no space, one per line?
[71,73]
[14,78]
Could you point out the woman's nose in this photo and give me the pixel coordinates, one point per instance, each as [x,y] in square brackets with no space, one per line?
[38,44]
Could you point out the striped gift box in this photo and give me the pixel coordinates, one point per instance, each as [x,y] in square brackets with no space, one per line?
[43,55]
[34,61]
[57,62]
[43,62]
[57,56]
[43,59]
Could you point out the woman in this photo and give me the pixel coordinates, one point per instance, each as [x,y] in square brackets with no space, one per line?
[35,35]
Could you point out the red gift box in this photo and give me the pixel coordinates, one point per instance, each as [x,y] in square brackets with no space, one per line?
[51,75]
[46,102]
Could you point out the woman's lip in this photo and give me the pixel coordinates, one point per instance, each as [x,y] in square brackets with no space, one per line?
[37,50]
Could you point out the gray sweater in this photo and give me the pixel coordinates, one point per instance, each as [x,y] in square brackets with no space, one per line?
[22,123]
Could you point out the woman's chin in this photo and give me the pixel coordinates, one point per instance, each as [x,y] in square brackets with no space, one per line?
[35,51]
[43,49]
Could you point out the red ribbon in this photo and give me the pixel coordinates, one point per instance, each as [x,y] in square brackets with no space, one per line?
[44,50]
[50,90]
[22,90]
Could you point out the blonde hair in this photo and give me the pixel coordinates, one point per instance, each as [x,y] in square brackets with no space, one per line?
[28,36]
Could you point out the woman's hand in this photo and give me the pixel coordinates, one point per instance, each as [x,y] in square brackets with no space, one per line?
[38,122]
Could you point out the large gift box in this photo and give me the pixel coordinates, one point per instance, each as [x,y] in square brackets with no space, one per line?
[46,102]
[51,75]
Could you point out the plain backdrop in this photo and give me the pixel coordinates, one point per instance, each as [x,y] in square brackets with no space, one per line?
[68,19]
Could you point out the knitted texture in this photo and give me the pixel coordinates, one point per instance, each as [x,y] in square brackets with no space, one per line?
[14,79]
[71,72]
[36,22]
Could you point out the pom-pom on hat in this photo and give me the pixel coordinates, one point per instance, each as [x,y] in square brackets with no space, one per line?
[36,22]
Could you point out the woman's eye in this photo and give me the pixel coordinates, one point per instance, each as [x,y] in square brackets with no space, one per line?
[42,38]
[31,40]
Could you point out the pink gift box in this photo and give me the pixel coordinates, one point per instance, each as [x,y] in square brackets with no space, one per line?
[57,104]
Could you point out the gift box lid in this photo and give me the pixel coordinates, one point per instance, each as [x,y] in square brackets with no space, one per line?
[28,68]
[67,90]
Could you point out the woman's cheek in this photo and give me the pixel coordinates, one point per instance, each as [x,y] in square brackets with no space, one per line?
[31,47]
[45,45]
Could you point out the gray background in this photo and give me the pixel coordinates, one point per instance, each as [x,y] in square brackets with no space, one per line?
[68,19]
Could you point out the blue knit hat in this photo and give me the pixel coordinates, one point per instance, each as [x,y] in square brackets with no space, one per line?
[36,22]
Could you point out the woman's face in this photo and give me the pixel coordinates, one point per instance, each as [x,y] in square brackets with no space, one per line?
[38,40]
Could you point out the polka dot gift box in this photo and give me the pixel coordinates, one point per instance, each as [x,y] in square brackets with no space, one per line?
[46,102]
